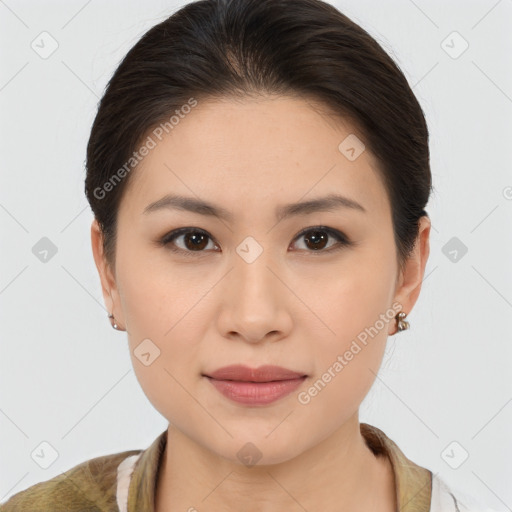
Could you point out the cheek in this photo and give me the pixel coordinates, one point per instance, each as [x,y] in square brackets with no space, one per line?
[164,342]
[166,388]
[346,363]
[163,319]
[355,301]
[151,295]
[357,309]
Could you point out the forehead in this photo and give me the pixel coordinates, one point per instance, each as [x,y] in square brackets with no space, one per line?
[258,152]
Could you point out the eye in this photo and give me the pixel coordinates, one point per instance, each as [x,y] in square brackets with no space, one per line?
[194,240]
[316,239]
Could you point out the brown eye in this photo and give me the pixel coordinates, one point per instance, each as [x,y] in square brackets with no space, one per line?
[316,239]
[194,240]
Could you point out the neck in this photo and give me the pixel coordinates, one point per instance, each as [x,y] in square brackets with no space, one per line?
[340,473]
[340,470]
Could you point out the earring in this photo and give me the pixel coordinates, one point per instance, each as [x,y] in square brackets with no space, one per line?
[401,323]
[113,322]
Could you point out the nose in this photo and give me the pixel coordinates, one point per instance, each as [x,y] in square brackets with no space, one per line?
[255,303]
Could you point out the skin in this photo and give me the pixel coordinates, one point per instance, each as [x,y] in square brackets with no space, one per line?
[292,306]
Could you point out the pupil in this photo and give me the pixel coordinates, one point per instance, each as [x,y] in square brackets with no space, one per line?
[315,238]
[196,240]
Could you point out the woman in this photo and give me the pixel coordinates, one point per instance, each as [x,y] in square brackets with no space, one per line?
[258,171]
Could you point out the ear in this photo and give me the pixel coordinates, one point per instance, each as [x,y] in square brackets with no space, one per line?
[107,277]
[411,279]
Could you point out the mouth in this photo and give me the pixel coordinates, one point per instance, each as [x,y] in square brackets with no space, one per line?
[265,373]
[255,386]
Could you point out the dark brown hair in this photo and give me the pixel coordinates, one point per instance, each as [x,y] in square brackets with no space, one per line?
[237,48]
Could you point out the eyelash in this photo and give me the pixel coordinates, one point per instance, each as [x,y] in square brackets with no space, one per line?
[341,238]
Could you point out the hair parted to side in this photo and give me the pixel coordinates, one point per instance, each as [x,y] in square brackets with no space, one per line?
[239,48]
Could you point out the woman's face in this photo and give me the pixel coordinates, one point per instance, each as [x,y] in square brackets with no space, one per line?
[246,288]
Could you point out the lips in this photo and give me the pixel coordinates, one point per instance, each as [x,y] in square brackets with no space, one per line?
[265,373]
[255,386]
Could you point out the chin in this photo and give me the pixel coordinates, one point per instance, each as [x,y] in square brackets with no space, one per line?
[260,449]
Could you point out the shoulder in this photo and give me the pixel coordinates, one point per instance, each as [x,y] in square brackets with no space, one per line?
[89,486]
[448,498]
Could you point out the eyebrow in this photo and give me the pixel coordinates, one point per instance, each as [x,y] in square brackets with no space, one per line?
[322,204]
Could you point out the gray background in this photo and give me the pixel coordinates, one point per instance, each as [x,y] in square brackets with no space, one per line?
[65,374]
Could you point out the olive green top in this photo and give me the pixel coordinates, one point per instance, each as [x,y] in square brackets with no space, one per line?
[102,485]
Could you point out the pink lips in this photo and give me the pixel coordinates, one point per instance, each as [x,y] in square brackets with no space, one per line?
[255,386]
